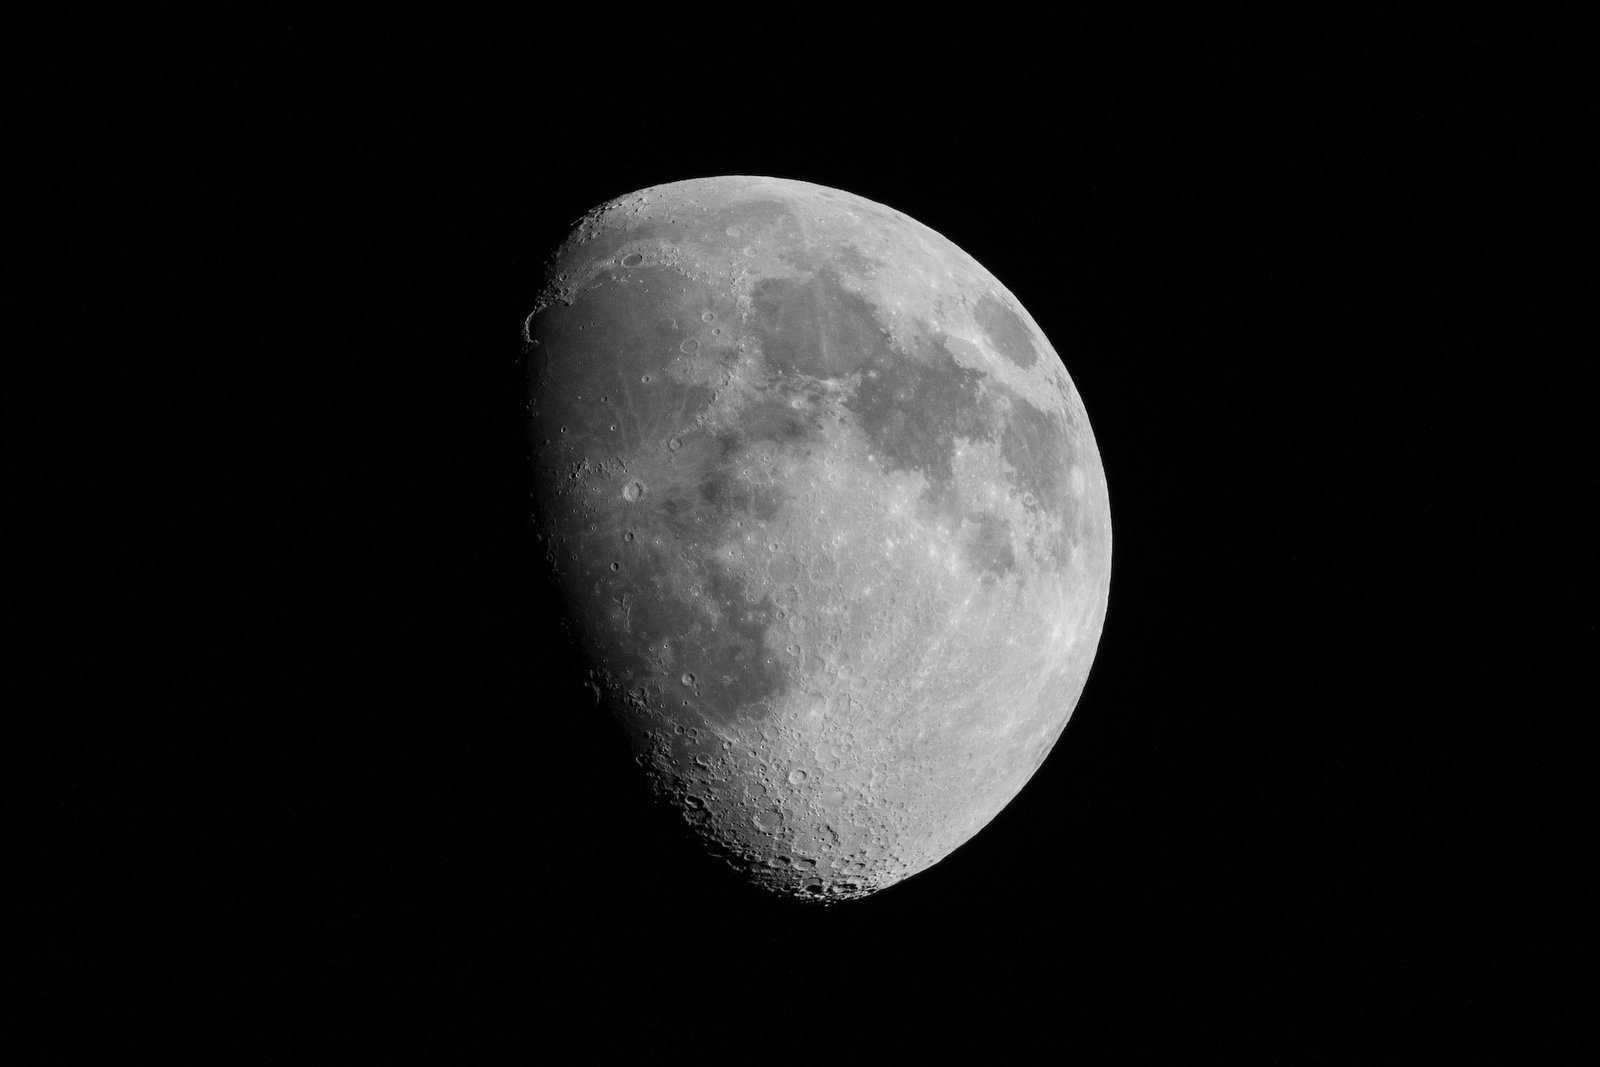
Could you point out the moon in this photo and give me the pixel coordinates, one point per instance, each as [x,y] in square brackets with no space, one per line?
[827,517]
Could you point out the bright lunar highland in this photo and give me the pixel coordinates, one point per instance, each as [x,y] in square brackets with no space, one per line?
[827,517]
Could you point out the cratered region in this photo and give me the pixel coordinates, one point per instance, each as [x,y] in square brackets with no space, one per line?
[827,518]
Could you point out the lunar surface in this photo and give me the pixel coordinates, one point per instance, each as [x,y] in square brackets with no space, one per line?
[827,516]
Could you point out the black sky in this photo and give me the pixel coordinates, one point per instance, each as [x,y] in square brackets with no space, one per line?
[329,784]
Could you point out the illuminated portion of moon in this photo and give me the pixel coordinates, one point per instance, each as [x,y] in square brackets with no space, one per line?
[828,517]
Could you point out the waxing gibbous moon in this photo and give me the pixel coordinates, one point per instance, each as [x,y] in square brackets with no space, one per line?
[826,514]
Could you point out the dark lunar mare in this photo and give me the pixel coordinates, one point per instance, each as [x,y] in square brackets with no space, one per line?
[632,491]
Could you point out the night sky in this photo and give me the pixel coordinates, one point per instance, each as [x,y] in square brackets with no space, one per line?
[329,784]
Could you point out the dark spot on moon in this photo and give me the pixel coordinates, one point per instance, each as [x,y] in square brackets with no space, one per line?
[1033,442]
[617,333]
[815,327]
[1006,331]
[988,546]
[856,261]
[736,679]
[719,490]
[614,332]
[912,410]
[632,260]
[725,493]
[788,414]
